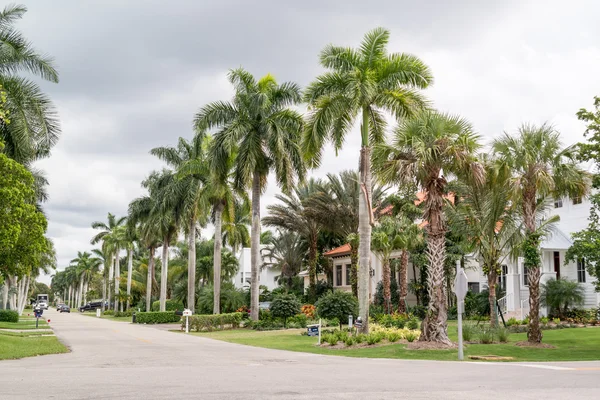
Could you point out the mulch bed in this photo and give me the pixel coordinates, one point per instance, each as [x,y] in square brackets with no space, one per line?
[430,346]
[535,345]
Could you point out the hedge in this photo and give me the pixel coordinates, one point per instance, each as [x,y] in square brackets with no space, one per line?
[211,322]
[9,316]
[170,305]
[156,317]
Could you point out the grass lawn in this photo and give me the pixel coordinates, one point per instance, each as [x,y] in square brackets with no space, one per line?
[571,345]
[23,324]
[12,347]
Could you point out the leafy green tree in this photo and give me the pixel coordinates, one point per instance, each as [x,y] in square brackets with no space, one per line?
[285,306]
[559,294]
[262,131]
[590,151]
[541,170]
[337,304]
[362,83]
[424,150]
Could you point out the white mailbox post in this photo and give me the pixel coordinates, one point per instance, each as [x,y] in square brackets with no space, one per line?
[187,314]
[460,289]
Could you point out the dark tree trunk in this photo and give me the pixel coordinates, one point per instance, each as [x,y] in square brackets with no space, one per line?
[403,282]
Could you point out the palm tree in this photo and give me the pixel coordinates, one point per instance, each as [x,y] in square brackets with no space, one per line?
[260,129]
[111,236]
[86,266]
[336,206]
[286,252]
[294,215]
[386,239]
[189,162]
[235,233]
[540,169]
[369,82]
[34,125]
[420,149]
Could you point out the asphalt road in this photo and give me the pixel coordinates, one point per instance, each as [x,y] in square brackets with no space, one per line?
[116,360]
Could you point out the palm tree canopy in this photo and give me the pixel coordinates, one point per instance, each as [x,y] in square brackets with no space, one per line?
[366,79]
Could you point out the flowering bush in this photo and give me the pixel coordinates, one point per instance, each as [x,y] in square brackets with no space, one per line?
[309,310]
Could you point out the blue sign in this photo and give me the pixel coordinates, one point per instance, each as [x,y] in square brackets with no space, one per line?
[38,313]
[313,330]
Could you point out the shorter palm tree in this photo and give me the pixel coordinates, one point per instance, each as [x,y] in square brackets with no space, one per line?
[560,294]
[286,252]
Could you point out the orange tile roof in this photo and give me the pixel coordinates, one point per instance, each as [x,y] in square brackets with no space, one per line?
[339,251]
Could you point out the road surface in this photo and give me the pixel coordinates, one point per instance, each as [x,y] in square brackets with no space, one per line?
[117,360]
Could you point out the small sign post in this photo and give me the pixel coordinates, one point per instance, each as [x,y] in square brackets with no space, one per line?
[38,313]
[460,289]
[187,313]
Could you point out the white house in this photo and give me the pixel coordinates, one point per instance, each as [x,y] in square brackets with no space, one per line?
[267,276]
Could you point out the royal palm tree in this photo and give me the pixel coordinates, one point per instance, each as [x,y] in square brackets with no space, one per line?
[86,265]
[541,169]
[262,131]
[427,149]
[362,83]
[293,214]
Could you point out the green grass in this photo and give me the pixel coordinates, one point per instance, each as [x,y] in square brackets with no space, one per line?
[23,324]
[25,333]
[12,347]
[571,345]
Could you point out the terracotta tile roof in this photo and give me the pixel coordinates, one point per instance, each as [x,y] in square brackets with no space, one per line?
[339,251]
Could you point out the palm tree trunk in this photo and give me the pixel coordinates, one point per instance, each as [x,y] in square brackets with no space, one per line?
[80,300]
[103,294]
[387,293]
[117,279]
[312,269]
[354,270]
[5,294]
[217,259]
[129,272]
[191,283]
[255,247]
[492,278]
[164,274]
[149,280]
[403,281]
[534,333]
[110,277]
[364,230]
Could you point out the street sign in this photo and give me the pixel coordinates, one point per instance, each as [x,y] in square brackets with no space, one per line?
[187,313]
[460,288]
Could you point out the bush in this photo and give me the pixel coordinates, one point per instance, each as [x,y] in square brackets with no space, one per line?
[413,323]
[418,311]
[544,320]
[393,337]
[393,320]
[210,322]
[9,316]
[360,338]
[164,317]
[265,325]
[349,341]
[332,339]
[109,312]
[374,338]
[298,321]
[285,306]
[309,310]
[512,321]
[170,305]
[559,294]
[502,335]
[338,305]
[231,299]
[468,331]
[127,313]
[485,336]
[411,336]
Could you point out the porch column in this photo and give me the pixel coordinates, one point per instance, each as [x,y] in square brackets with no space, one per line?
[513,288]
[547,274]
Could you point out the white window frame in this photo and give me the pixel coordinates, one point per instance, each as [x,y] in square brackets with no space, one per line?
[581,270]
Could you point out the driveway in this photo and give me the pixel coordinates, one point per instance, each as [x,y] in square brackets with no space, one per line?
[117,360]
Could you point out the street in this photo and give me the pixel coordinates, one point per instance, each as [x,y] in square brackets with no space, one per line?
[117,360]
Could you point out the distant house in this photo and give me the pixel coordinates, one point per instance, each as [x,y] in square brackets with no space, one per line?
[267,276]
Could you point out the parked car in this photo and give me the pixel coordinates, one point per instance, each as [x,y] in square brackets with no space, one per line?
[59,305]
[91,306]
[64,308]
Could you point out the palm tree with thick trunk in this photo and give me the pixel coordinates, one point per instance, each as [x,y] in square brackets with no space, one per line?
[262,132]
[362,84]
[541,169]
[427,149]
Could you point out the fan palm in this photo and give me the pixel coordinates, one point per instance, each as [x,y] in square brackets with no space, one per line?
[540,169]
[260,129]
[369,82]
[420,148]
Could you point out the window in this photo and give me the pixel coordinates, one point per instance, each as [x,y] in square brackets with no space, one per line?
[348,271]
[581,270]
[473,287]
[338,275]
[502,277]
[557,264]
[558,203]
[525,276]
[577,200]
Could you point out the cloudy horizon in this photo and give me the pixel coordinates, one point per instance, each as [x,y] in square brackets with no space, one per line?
[133,74]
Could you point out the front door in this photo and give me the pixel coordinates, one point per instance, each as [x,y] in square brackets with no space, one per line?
[557,264]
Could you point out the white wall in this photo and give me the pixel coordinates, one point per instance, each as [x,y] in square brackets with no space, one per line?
[266,277]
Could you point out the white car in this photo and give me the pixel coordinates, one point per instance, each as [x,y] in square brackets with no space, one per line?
[43,305]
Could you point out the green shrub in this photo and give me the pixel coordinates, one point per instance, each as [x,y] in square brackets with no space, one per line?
[411,336]
[512,321]
[374,338]
[109,312]
[265,325]
[413,323]
[231,298]
[559,294]
[360,338]
[285,306]
[127,313]
[170,305]
[544,320]
[349,341]
[338,305]
[9,316]
[299,320]
[341,335]
[468,331]
[502,334]
[393,320]
[332,339]
[485,336]
[393,337]
[210,322]
[164,317]
[556,320]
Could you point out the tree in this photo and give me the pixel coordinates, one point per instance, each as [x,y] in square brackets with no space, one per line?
[285,306]
[294,215]
[286,252]
[419,150]
[86,266]
[541,169]
[559,294]
[365,81]
[262,131]
[235,233]
[337,304]
[386,239]
[590,151]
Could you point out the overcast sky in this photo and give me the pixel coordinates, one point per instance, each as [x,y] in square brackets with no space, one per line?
[133,73]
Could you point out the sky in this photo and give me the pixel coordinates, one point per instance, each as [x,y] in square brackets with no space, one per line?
[134,73]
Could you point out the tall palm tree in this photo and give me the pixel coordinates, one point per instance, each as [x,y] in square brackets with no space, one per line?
[294,215]
[235,233]
[336,206]
[34,125]
[540,169]
[419,150]
[262,131]
[367,82]
[86,265]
